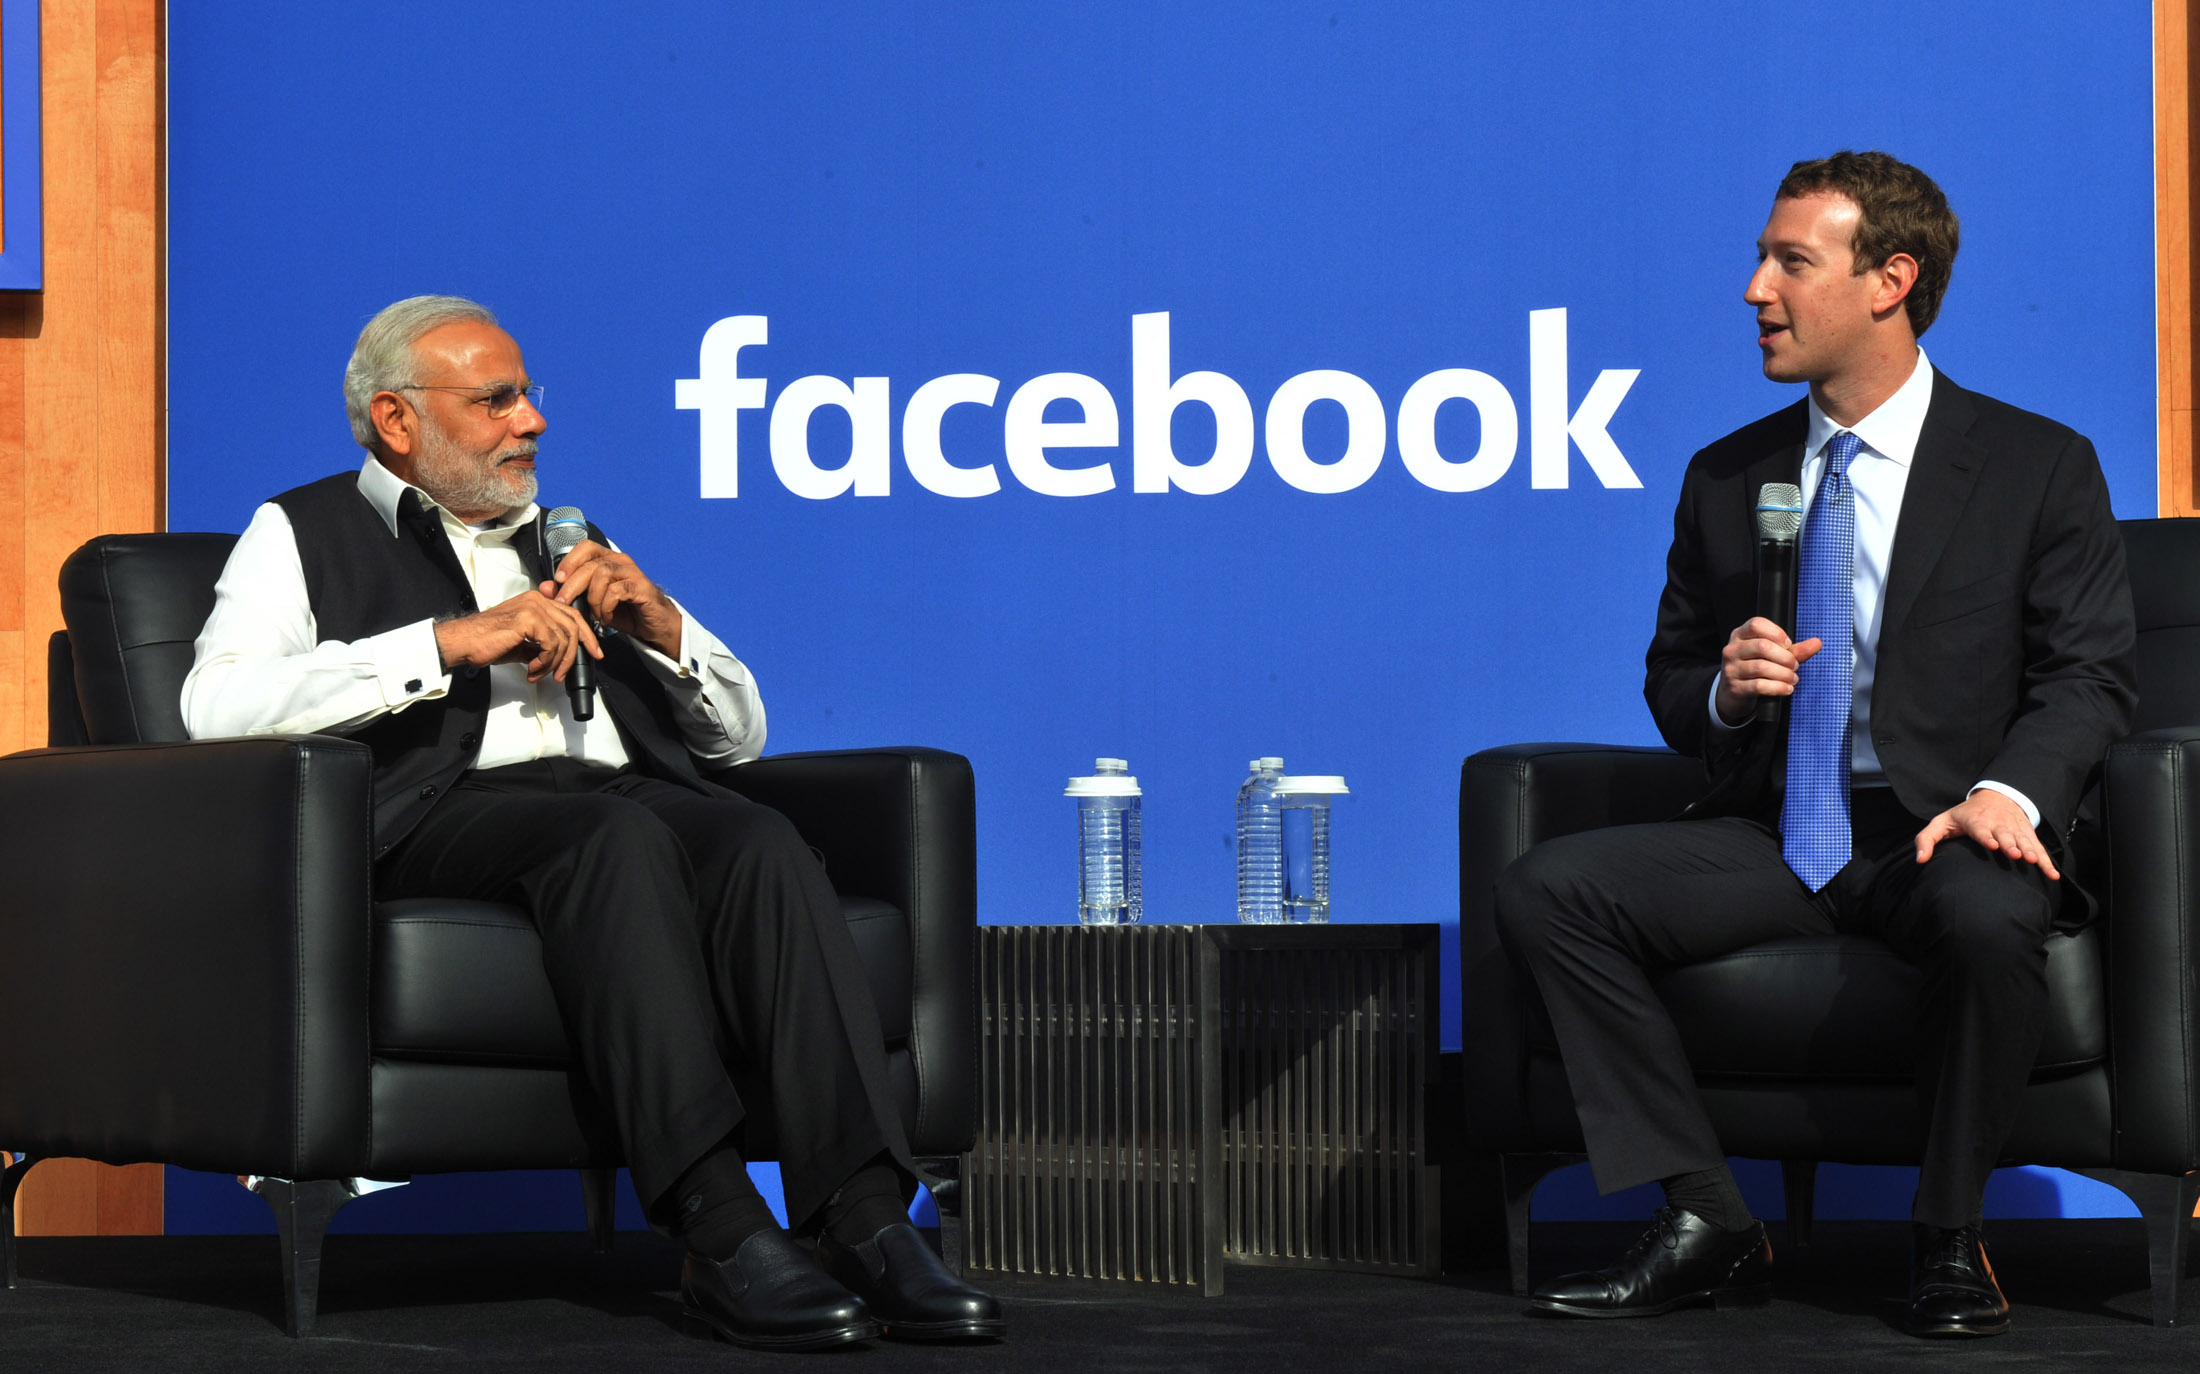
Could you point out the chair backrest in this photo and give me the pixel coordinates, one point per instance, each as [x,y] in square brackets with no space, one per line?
[2165,593]
[134,603]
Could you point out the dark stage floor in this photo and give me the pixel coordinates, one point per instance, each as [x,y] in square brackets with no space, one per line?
[541,1302]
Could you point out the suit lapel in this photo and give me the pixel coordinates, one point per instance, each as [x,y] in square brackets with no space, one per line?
[1781,462]
[1943,472]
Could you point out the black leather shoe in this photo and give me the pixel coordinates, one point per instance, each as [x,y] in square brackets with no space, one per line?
[771,1296]
[906,1287]
[1682,1260]
[1952,1287]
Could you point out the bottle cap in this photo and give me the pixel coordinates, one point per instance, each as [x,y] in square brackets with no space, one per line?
[1271,765]
[1110,766]
[1312,785]
[1105,785]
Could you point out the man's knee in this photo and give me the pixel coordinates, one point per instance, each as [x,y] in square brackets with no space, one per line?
[758,833]
[1982,911]
[1532,898]
[751,842]
[624,833]
[632,880]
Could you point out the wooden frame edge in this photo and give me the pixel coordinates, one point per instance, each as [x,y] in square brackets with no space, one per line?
[2173,257]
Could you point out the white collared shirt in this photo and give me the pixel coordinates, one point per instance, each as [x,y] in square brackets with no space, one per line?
[1878,476]
[261,668]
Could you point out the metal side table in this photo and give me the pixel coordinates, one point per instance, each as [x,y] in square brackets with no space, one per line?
[1158,1100]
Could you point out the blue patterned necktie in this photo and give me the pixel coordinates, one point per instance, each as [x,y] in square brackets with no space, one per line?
[1814,818]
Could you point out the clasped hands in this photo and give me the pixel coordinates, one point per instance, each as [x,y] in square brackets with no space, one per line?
[543,628]
[1760,660]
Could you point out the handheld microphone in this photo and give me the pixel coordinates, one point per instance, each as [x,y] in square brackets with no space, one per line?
[1779,520]
[564,528]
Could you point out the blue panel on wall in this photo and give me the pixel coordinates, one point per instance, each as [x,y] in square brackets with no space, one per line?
[432,1204]
[1845,1192]
[202,1204]
[1562,199]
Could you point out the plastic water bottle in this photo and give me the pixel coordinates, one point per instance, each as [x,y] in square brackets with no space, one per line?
[1304,802]
[1109,889]
[1260,846]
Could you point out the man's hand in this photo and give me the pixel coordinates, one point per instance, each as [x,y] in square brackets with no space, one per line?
[618,594]
[1991,820]
[532,628]
[1759,661]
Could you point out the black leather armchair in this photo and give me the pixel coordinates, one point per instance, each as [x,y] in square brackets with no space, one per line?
[193,969]
[1801,1047]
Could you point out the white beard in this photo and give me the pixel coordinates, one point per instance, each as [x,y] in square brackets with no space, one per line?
[472,481]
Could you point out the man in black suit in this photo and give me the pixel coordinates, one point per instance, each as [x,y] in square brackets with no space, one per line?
[1964,654]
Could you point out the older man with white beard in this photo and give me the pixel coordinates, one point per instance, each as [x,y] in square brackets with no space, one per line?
[689,935]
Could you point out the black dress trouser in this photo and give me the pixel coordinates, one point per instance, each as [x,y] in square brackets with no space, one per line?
[697,953]
[1590,915]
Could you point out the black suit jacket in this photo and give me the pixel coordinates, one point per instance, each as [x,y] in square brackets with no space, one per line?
[2007,648]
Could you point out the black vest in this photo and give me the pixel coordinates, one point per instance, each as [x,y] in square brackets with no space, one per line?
[360,582]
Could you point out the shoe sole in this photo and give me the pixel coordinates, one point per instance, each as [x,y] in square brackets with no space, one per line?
[974,1330]
[1752,1295]
[806,1340]
[1958,1330]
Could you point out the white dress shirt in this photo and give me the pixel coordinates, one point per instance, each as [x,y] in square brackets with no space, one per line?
[1878,476]
[261,668]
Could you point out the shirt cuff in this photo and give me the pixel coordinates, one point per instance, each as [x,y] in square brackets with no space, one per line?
[1712,705]
[2031,812]
[407,663]
[683,669]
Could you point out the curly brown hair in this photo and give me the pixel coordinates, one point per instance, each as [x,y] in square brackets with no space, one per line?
[1903,212]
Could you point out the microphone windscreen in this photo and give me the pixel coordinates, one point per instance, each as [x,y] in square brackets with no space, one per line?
[1779,512]
[566,527]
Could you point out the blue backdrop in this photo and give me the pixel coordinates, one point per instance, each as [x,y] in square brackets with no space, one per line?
[1554,206]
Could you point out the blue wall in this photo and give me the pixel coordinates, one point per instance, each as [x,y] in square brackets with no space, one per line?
[911,191]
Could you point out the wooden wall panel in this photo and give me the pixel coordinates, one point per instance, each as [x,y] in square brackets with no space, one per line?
[11,674]
[2174,118]
[12,571]
[81,413]
[127,260]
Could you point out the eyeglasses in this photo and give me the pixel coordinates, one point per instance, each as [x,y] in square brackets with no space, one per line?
[501,398]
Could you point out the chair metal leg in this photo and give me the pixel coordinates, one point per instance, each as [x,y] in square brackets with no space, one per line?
[2165,1203]
[1799,1181]
[1522,1173]
[947,1201]
[11,1178]
[303,1210]
[600,1196]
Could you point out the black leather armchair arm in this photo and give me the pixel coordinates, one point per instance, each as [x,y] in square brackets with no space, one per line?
[1510,799]
[900,825]
[184,954]
[2151,801]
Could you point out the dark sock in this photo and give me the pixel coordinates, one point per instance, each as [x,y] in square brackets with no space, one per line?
[1710,1194]
[715,1207]
[1977,1220]
[866,1204]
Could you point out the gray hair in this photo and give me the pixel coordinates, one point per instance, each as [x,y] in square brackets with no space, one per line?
[383,359]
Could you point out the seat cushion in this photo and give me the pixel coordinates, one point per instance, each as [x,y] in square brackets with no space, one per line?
[1845,1007]
[462,982]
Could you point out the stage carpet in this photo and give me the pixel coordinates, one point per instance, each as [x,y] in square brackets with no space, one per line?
[542,1302]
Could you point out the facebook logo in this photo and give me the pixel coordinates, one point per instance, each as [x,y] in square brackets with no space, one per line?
[1081,456]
